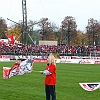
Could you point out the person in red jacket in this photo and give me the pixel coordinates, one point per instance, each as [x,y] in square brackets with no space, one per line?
[50,79]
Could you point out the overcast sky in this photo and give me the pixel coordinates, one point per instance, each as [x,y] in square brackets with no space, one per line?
[55,10]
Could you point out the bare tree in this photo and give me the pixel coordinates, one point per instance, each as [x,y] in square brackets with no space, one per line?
[69,29]
[3,28]
[47,30]
[92,31]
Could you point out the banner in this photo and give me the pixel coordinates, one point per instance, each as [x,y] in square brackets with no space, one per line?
[19,68]
[90,86]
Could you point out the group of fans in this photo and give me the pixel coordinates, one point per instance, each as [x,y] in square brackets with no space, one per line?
[23,48]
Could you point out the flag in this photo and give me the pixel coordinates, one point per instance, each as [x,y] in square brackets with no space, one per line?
[11,38]
[6,72]
[90,86]
[15,69]
[26,66]
[19,68]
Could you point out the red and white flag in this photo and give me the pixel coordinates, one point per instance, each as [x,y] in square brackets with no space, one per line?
[19,68]
[11,39]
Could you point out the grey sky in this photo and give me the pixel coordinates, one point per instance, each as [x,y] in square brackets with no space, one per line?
[55,10]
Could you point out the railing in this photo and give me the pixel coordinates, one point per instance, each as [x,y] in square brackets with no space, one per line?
[46,54]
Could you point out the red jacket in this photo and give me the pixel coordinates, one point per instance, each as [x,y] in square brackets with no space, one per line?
[51,79]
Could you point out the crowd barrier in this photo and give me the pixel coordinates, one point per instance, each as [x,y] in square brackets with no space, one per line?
[62,59]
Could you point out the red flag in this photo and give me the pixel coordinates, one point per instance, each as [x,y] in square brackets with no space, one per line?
[11,38]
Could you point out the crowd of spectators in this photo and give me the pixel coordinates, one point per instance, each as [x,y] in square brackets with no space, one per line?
[23,48]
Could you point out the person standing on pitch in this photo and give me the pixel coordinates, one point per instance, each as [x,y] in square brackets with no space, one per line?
[50,79]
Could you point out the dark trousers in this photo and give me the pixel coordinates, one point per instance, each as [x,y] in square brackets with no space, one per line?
[50,91]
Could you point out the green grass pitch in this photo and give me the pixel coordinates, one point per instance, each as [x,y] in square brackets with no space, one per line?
[30,86]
